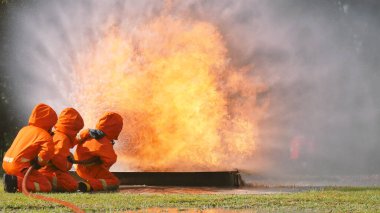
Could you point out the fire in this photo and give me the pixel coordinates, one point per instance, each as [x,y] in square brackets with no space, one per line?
[184,106]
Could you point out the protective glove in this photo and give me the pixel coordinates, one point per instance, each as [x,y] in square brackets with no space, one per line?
[83,135]
[96,133]
[35,164]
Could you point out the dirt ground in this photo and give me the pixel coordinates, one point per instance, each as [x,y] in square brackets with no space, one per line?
[210,190]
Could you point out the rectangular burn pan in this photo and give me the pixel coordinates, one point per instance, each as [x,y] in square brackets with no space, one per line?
[210,179]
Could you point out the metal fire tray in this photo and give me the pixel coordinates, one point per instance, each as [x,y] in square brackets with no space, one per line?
[210,179]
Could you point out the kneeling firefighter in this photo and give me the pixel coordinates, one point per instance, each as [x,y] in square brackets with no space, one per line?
[33,145]
[99,145]
[68,125]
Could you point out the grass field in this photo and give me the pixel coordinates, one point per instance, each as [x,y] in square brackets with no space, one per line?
[331,199]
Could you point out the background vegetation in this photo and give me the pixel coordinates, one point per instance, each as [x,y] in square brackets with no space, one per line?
[9,123]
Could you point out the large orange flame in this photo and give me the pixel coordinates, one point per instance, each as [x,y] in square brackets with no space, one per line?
[185,107]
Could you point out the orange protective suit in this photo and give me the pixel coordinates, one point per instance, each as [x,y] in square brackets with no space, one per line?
[98,175]
[68,125]
[32,141]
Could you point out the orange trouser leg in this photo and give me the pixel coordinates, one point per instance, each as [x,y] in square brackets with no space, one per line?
[66,182]
[99,178]
[61,181]
[100,184]
[36,182]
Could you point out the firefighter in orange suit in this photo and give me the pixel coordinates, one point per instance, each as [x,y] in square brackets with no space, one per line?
[100,146]
[33,145]
[68,125]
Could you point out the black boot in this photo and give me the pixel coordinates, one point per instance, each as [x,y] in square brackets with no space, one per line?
[113,188]
[84,187]
[10,183]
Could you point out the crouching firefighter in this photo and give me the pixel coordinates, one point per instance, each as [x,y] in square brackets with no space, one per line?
[99,145]
[33,146]
[57,170]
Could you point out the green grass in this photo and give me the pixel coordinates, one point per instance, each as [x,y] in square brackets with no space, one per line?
[332,199]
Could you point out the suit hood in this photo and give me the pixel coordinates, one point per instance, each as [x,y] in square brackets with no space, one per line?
[111,124]
[43,116]
[69,122]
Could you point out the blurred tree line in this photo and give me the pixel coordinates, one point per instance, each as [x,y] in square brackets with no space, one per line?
[10,120]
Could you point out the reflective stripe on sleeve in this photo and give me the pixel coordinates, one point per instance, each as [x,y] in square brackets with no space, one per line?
[24,160]
[8,159]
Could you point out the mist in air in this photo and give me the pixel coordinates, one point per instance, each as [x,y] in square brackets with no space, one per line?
[320,61]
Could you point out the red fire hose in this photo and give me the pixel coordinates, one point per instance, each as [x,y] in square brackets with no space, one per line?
[49,199]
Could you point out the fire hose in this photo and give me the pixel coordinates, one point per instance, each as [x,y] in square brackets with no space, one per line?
[94,160]
[49,199]
[54,200]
